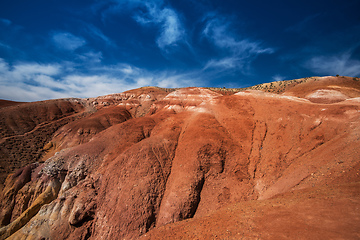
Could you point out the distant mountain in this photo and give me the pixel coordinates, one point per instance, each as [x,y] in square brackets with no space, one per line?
[278,160]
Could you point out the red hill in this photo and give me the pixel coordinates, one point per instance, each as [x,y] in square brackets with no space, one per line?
[274,161]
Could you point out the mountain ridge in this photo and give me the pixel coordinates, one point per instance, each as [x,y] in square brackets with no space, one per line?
[142,162]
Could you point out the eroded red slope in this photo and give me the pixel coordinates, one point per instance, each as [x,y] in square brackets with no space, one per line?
[252,164]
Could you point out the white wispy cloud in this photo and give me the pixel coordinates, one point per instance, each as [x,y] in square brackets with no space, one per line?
[24,81]
[23,92]
[153,13]
[90,57]
[127,70]
[31,69]
[34,81]
[179,80]
[239,51]
[21,73]
[4,66]
[278,77]
[224,63]
[171,30]
[67,41]
[26,72]
[97,33]
[341,64]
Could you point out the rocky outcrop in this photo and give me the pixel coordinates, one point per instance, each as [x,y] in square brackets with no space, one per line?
[194,163]
[45,197]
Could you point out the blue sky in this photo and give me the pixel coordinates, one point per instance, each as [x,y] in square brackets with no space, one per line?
[56,49]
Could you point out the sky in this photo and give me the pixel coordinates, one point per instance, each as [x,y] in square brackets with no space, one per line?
[87,48]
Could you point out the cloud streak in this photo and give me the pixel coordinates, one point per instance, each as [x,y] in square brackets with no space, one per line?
[278,77]
[34,81]
[171,30]
[239,52]
[332,65]
[225,63]
[97,33]
[153,13]
[67,41]
[218,32]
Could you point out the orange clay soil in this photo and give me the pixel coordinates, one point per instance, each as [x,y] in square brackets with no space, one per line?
[276,161]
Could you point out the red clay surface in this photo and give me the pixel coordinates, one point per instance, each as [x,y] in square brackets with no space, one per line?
[192,163]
